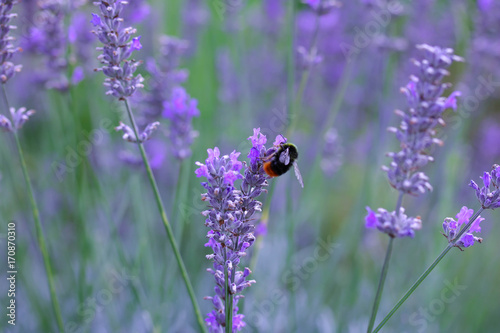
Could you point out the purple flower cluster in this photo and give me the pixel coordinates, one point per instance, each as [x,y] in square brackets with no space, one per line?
[229,237]
[118,47]
[19,117]
[417,135]
[48,38]
[452,227]
[168,98]
[229,217]
[489,194]
[129,135]
[395,225]
[181,109]
[309,58]
[489,197]
[7,50]
[165,75]
[416,131]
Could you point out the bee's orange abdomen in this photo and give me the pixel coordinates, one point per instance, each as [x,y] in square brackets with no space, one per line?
[270,172]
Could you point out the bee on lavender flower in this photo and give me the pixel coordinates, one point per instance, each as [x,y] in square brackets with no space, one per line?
[282,159]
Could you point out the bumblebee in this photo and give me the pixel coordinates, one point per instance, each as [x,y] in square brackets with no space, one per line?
[281,161]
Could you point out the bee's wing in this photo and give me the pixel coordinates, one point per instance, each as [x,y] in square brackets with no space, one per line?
[297,173]
[285,157]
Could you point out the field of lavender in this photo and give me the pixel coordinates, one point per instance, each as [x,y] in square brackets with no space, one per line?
[142,143]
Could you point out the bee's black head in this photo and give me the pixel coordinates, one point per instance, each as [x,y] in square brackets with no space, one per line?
[292,149]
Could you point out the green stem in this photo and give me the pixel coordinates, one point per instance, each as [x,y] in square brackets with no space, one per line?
[383,275]
[38,226]
[166,223]
[381,283]
[175,207]
[427,271]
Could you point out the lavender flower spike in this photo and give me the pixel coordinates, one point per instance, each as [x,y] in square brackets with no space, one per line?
[416,131]
[229,217]
[181,109]
[489,194]
[416,135]
[7,50]
[228,237]
[118,47]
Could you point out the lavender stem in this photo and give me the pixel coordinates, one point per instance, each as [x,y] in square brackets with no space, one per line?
[166,223]
[381,283]
[427,271]
[383,274]
[38,226]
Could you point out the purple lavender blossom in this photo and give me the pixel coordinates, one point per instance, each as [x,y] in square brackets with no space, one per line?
[129,135]
[229,219]
[489,194]
[229,237]
[309,58]
[395,225]
[48,38]
[181,109]
[7,50]
[168,98]
[19,117]
[452,227]
[118,47]
[416,131]
[165,75]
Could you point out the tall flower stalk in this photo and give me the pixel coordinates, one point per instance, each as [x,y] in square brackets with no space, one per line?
[416,135]
[118,46]
[458,236]
[229,219]
[17,120]
[309,57]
